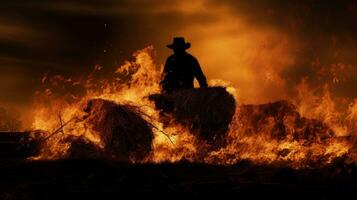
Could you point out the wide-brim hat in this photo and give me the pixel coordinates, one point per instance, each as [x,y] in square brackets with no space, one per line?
[179,43]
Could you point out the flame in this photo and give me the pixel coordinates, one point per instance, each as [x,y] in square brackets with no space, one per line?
[51,112]
[59,114]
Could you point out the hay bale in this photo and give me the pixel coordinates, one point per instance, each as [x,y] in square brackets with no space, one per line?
[279,120]
[207,112]
[126,135]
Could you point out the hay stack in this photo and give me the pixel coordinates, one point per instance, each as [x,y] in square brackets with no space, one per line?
[279,120]
[126,135]
[207,112]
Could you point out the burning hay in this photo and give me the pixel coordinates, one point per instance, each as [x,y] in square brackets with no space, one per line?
[207,112]
[104,130]
[276,132]
[280,121]
[126,136]
[186,121]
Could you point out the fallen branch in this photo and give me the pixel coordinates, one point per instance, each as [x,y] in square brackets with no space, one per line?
[153,126]
[58,130]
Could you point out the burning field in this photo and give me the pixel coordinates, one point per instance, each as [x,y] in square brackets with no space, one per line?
[124,120]
[127,113]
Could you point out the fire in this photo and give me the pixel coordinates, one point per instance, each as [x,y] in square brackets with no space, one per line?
[291,139]
[144,76]
[307,132]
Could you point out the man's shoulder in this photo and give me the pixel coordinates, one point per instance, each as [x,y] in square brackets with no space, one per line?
[171,57]
[190,56]
[186,56]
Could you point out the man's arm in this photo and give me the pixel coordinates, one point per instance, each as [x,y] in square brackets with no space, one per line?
[164,82]
[166,69]
[199,74]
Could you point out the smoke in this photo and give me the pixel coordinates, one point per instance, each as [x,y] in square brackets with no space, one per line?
[264,48]
[9,120]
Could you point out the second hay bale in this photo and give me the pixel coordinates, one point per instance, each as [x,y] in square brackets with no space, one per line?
[126,135]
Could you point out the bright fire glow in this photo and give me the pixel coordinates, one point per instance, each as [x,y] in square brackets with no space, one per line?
[134,81]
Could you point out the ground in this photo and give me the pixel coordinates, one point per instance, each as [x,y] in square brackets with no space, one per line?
[99,178]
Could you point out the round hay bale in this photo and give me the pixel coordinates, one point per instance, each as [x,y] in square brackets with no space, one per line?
[280,120]
[126,135]
[207,112]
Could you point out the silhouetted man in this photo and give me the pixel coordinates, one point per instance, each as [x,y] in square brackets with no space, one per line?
[181,68]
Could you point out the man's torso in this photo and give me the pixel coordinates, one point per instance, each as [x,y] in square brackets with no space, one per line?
[180,72]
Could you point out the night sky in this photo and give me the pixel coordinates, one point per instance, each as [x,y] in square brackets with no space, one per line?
[263,47]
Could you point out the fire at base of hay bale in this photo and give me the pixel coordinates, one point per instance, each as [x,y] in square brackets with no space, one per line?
[116,132]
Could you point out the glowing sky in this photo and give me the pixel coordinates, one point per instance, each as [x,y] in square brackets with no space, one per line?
[263,47]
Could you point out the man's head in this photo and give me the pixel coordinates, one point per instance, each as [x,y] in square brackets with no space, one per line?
[179,45]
